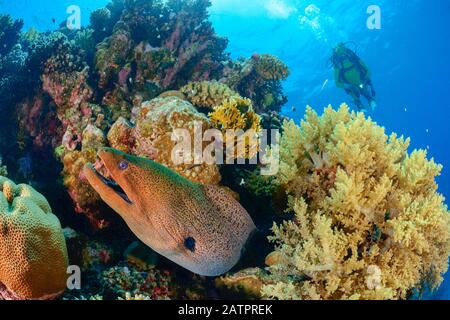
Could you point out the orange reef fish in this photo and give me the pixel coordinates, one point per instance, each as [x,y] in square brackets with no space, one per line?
[201,228]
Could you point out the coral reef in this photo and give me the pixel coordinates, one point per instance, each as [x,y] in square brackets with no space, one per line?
[3,169]
[10,33]
[170,43]
[12,59]
[151,137]
[85,198]
[270,67]
[258,78]
[33,253]
[246,284]
[237,113]
[234,114]
[367,222]
[132,52]
[129,283]
[208,94]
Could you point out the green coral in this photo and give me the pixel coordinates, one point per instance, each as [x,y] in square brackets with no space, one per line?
[368,221]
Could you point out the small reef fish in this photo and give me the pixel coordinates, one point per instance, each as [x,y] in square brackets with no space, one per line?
[201,228]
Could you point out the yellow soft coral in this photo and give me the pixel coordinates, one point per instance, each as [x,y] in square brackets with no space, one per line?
[33,253]
[207,94]
[369,223]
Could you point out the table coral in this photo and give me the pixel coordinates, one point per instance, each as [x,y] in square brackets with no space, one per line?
[208,94]
[33,253]
[361,204]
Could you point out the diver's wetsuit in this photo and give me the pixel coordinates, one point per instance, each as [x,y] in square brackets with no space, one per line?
[353,76]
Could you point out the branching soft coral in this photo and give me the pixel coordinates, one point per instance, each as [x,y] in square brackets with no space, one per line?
[368,221]
[208,94]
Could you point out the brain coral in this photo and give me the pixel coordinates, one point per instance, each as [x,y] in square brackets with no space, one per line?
[151,137]
[368,221]
[33,254]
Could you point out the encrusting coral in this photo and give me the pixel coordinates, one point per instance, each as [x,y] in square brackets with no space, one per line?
[33,253]
[368,221]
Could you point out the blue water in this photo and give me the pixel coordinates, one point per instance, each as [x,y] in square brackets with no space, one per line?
[408,57]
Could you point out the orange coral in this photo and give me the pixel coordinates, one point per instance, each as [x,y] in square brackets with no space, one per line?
[208,94]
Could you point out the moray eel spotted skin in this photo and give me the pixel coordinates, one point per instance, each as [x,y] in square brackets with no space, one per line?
[201,228]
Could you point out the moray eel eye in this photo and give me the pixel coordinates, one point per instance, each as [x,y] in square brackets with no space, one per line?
[189,243]
[123,165]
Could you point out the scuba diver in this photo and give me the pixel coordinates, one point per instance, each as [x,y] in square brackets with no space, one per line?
[353,76]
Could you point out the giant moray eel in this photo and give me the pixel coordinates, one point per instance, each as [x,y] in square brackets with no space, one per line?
[201,228]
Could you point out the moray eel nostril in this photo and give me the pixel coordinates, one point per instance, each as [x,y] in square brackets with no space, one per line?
[201,228]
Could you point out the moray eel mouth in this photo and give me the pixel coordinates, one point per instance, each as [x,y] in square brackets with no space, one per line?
[106,178]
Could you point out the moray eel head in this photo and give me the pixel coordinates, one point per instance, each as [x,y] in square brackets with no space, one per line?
[202,228]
